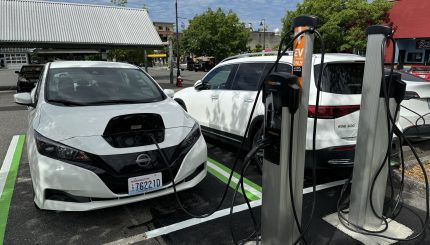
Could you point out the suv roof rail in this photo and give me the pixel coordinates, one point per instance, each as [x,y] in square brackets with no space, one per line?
[272,53]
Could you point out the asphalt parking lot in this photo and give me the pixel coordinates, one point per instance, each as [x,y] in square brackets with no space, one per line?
[156,221]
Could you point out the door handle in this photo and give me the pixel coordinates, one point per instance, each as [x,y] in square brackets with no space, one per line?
[249,100]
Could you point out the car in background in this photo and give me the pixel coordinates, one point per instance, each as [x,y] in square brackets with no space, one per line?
[28,76]
[103,134]
[414,116]
[222,101]
[420,71]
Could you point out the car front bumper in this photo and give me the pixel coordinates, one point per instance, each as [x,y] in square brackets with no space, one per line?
[81,189]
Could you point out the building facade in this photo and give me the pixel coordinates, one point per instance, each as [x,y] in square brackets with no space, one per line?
[165,30]
[409,19]
[271,39]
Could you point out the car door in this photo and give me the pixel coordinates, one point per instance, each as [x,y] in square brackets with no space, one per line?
[236,104]
[204,106]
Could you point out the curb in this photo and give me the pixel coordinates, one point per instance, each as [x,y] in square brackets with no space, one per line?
[6,88]
[414,191]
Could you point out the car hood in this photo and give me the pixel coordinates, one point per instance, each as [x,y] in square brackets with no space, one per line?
[64,122]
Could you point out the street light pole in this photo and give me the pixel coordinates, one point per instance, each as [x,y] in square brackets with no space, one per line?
[263,23]
[178,73]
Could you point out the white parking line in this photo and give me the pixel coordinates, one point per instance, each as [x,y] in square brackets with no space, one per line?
[4,171]
[194,221]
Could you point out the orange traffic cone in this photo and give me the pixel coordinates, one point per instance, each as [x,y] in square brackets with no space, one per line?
[179,81]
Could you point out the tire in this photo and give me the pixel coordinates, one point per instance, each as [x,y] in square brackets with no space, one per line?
[258,158]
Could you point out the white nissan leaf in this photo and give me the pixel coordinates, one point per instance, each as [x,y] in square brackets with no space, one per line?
[93,137]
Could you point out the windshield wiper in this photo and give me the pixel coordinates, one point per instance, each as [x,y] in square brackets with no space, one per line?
[66,102]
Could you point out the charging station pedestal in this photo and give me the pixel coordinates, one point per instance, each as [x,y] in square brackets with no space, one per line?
[372,136]
[278,225]
[372,146]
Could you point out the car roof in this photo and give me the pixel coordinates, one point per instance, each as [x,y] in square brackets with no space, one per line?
[331,57]
[99,64]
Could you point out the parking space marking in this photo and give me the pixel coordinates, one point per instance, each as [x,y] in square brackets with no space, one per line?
[218,214]
[8,173]
[253,191]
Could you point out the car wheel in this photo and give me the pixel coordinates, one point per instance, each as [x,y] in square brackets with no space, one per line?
[258,158]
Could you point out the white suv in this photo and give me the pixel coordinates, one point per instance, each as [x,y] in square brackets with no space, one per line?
[222,101]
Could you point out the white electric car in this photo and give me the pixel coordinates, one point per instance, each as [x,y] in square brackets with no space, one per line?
[93,134]
[222,101]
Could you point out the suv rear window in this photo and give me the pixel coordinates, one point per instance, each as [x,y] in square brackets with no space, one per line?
[341,78]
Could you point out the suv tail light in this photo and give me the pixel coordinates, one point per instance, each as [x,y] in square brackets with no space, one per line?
[332,112]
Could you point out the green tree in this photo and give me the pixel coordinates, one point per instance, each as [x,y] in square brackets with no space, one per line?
[258,48]
[215,33]
[342,22]
[121,3]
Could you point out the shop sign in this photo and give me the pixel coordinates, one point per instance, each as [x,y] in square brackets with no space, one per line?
[423,44]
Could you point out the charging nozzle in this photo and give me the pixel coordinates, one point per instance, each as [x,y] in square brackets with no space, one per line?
[285,88]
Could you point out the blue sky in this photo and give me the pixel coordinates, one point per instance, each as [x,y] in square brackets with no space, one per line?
[249,11]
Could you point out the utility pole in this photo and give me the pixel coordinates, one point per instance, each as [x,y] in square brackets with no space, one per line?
[178,73]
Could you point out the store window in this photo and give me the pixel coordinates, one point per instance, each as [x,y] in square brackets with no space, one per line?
[416,57]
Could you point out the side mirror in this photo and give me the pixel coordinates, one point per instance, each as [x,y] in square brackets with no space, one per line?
[169,92]
[23,99]
[199,85]
[17,72]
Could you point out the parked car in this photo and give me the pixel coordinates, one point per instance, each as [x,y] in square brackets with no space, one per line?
[415,111]
[203,65]
[183,66]
[420,71]
[93,134]
[28,76]
[228,91]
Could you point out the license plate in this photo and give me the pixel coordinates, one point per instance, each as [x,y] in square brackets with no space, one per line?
[145,183]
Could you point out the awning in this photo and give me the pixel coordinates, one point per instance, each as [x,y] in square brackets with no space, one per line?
[26,23]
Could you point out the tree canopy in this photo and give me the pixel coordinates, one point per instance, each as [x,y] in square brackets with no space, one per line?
[342,22]
[215,33]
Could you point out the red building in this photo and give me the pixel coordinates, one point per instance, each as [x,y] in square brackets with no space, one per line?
[410,20]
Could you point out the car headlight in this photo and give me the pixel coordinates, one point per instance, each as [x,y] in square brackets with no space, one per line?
[59,151]
[185,146]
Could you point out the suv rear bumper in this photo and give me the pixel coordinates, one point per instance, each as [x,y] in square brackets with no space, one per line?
[339,156]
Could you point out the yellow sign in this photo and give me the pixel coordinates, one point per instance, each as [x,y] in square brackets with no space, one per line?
[157,55]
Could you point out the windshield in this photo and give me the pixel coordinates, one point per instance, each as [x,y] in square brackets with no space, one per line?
[94,85]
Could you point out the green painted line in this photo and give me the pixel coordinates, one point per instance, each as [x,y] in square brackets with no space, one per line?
[6,196]
[228,170]
[232,185]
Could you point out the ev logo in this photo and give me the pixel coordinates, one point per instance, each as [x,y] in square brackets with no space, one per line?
[298,52]
[143,160]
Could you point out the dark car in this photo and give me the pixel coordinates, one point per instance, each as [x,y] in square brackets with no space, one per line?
[203,66]
[28,77]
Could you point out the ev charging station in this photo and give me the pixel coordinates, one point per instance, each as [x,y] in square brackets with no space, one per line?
[286,99]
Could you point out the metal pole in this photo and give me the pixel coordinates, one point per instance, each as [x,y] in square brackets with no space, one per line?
[278,225]
[264,34]
[372,137]
[171,59]
[178,73]
[145,59]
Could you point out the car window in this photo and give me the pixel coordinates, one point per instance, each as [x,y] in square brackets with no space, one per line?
[219,78]
[96,85]
[341,78]
[248,76]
